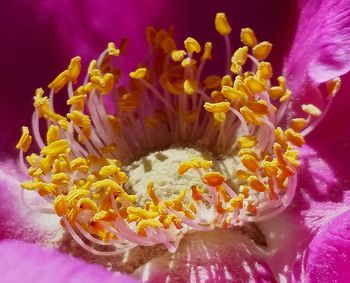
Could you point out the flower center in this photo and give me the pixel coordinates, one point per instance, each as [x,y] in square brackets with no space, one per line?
[82,166]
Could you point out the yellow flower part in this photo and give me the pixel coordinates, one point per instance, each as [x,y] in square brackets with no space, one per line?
[155,164]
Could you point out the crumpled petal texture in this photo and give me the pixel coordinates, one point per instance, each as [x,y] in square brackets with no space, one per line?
[23,262]
[327,258]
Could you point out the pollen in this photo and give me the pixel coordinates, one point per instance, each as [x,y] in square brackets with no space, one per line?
[178,152]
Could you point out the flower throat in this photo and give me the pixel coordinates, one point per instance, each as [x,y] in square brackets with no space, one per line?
[80,168]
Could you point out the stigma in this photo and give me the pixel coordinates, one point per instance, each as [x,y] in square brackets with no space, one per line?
[236,159]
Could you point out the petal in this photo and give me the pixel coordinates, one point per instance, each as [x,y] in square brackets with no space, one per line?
[218,256]
[322,41]
[327,258]
[19,260]
[23,220]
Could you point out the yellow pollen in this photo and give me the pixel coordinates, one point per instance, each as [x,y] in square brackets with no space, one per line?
[56,147]
[255,184]
[194,164]
[262,50]
[25,140]
[255,85]
[265,70]
[250,162]
[220,107]
[232,93]
[74,69]
[188,62]
[178,55]
[247,141]
[311,109]
[248,37]
[213,179]
[61,205]
[192,45]
[297,124]
[208,47]
[250,116]
[140,73]
[190,86]
[112,50]
[221,24]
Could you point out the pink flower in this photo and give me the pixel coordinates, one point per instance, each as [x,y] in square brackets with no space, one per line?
[308,242]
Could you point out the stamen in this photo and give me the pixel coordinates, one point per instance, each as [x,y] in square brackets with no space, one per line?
[82,169]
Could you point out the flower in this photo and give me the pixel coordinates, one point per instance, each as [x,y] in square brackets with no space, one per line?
[302,79]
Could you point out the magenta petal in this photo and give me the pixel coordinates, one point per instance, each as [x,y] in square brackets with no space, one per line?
[328,255]
[23,262]
[322,41]
[218,256]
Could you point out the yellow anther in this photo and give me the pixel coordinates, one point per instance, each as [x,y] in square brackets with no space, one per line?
[64,124]
[108,170]
[211,82]
[25,140]
[188,62]
[60,81]
[258,107]
[237,202]
[87,204]
[232,93]
[297,124]
[226,81]
[213,179]
[247,141]
[248,37]
[265,70]
[221,24]
[74,69]
[192,45]
[294,137]
[250,116]
[74,195]
[196,163]
[262,50]
[172,218]
[280,138]
[220,117]
[60,205]
[243,174]
[255,85]
[147,223]
[141,213]
[333,86]
[270,167]
[256,184]
[152,194]
[276,92]
[104,215]
[286,96]
[208,47]
[138,74]
[292,157]
[112,50]
[178,55]
[124,196]
[238,59]
[220,107]
[77,101]
[56,147]
[53,134]
[311,109]
[79,119]
[190,86]
[31,185]
[106,183]
[59,178]
[250,162]
[79,163]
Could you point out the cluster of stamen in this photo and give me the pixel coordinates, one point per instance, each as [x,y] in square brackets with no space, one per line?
[79,167]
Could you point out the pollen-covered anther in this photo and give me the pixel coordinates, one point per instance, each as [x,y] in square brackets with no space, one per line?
[25,140]
[178,55]
[112,50]
[190,86]
[220,107]
[221,24]
[311,109]
[248,37]
[213,179]
[262,50]
[196,163]
[138,74]
[192,45]
[247,141]
[238,59]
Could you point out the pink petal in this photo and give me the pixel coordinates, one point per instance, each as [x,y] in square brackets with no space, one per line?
[23,262]
[218,256]
[327,258]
